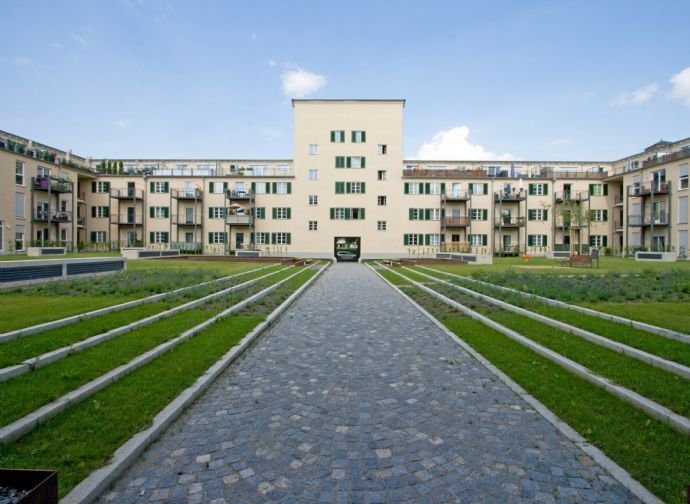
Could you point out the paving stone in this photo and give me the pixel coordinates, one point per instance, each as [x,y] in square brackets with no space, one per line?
[355,396]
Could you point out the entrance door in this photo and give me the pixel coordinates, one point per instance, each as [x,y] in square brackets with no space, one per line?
[189,237]
[189,216]
[130,189]
[131,238]
[658,243]
[507,242]
[239,241]
[130,215]
[566,191]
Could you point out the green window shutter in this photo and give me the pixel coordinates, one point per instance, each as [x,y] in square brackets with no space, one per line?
[407,188]
[273,238]
[606,189]
[151,237]
[289,213]
[531,214]
[93,212]
[253,187]
[545,214]
[364,138]
[348,187]
[106,211]
[210,212]
[289,187]
[274,213]
[167,188]
[443,213]
[210,238]
[411,213]
[338,187]
[364,162]
[151,185]
[605,215]
[348,213]
[485,214]
[361,213]
[93,234]
[225,212]
[530,240]
[165,237]
[275,187]
[427,239]
[486,188]
[106,186]
[332,136]
[471,191]
[605,241]
[427,188]
[484,242]
[332,213]
[591,241]
[531,190]
[93,190]
[166,212]
[339,162]
[546,189]
[225,187]
[427,214]
[348,162]
[363,186]
[591,189]
[210,187]
[151,211]
[443,187]
[289,238]
[544,240]
[406,239]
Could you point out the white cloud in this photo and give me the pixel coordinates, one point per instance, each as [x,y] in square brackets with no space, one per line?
[453,144]
[681,86]
[641,95]
[560,141]
[80,39]
[272,63]
[298,83]
[122,123]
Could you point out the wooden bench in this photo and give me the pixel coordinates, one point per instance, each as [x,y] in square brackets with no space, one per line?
[577,260]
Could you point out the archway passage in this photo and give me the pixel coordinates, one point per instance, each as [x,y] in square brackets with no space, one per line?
[347,248]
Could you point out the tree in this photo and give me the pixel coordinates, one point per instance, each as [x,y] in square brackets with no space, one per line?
[577,217]
[121,169]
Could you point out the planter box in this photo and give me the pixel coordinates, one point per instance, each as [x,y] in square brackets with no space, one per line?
[558,254]
[142,253]
[41,487]
[43,251]
[247,253]
[656,256]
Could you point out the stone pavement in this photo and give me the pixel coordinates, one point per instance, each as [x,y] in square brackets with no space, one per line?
[354,396]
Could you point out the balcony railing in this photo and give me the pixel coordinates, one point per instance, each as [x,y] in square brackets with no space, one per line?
[238,220]
[455,196]
[238,195]
[81,221]
[681,154]
[129,193]
[52,216]
[648,189]
[53,184]
[184,220]
[187,194]
[457,221]
[124,219]
[577,196]
[509,221]
[647,220]
[617,225]
[618,200]
[504,196]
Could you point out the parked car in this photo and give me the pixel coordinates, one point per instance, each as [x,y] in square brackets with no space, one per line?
[345,255]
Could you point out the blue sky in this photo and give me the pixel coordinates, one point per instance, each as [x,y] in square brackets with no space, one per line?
[540,80]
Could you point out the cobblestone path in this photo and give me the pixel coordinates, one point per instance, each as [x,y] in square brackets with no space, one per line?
[354,396]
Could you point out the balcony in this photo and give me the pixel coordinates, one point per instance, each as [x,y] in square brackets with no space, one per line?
[576,196]
[508,221]
[187,194]
[618,226]
[681,154]
[618,200]
[647,189]
[455,196]
[52,184]
[456,222]
[238,195]
[509,197]
[127,219]
[184,220]
[567,224]
[128,194]
[81,221]
[238,220]
[57,217]
[646,220]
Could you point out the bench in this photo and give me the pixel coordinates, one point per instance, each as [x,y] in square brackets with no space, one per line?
[577,260]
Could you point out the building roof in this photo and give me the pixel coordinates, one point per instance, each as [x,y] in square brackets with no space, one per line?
[349,100]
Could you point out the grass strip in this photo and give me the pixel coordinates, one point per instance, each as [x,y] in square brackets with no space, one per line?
[669,349]
[652,452]
[668,314]
[82,438]
[661,386]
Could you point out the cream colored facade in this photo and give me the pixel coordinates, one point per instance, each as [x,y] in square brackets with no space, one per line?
[347,186]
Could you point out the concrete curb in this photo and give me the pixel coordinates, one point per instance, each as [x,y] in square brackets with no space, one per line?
[659,331]
[641,355]
[27,423]
[653,409]
[60,353]
[616,471]
[99,480]
[27,331]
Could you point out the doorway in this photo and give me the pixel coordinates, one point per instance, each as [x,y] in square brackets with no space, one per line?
[347,248]
[239,241]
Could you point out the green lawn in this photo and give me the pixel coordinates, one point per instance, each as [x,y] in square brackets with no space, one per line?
[674,315]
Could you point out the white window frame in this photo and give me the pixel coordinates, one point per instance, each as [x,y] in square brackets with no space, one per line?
[158,236]
[281,238]
[260,187]
[313,225]
[597,215]
[217,238]
[101,211]
[22,207]
[381,149]
[597,190]
[435,214]
[313,149]
[281,213]
[434,188]
[596,240]
[101,187]
[382,175]
[42,171]
[683,177]
[537,241]
[683,216]
[313,200]
[100,236]
[339,214]
[313,174]
[476,238]
[413,188]
[477,214]
[19,172]
[217,188]
[338,136]
[417,214]
[413,240]
[355,188]
[381,225]
[477,188]
[434,240]
[358,136]
[281,187]
[260,239]
[217,212]
[356,162]
[381,200]
[159,187]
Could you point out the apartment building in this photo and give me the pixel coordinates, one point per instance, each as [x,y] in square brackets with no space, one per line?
[347,187]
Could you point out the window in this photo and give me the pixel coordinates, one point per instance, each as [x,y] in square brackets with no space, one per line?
[683,176]
[356,187]
[98,236]
[381,225]
[536,240]
[216,187]
[313,174]
[282,169]
[313,149]
[347,213]
[381,149]
[42,171]
[598,189]
[479,189]
[100,212]
[129,168]
[281,238]
[19,200]
[260,212]
[683,210]
[413,239]
[434,240]
[537,214]
[158,237]
[281,213]
[538,189]
[435,214]
[338,213]
[434,188]
[598,240]
[158,212]
[480,214]
[282,187]
[260,187]
[313,225]
[159,187]
[313,200]
[381,200]
[217,212]
[355,162]
[413,188]
[19,173]
[217,237]
[183,167]
[599,215]
[478,240]
[359,136]
[381,175]
[338,136]
[261,238]
[350,187]
[100,187]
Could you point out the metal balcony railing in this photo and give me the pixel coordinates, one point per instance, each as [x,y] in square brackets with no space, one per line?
[457,221]
[648,189]
[504,196]
[660,219]
[128,193]
[576,196]
[187,194]
[46,215]
[509,221]
[185,220]
[53,184]
[125,219]
[238,220]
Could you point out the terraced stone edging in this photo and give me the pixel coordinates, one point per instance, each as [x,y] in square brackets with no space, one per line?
[96,483]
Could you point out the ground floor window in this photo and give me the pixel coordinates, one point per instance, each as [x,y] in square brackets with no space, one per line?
[217,237]
[281,238]
[478,240]
[536,240]
[158,237]
[98,236]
